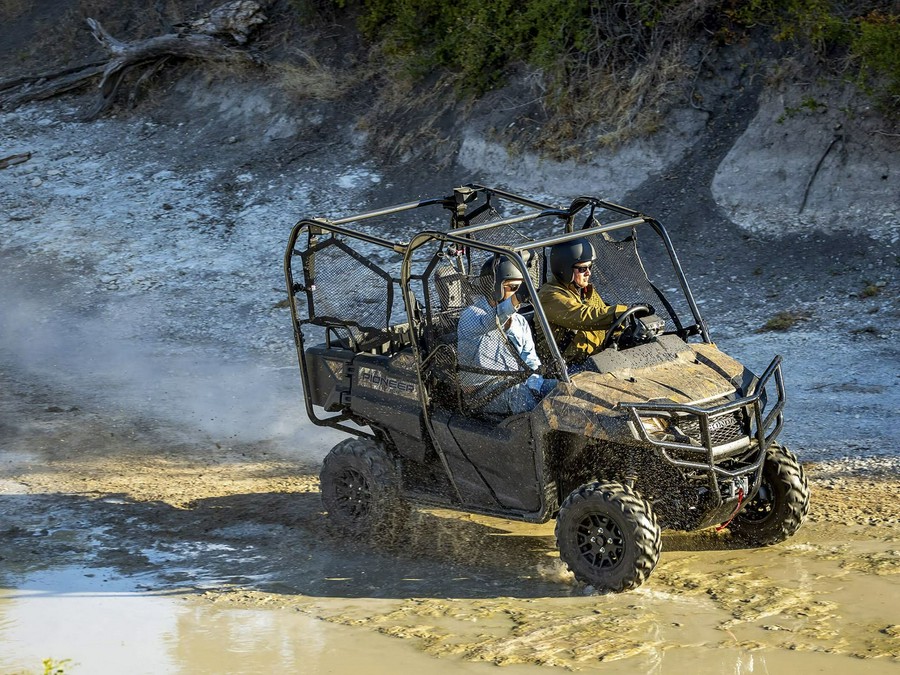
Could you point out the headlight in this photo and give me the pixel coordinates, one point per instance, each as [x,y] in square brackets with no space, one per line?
[655,425]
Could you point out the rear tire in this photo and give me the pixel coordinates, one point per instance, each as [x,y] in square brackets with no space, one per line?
[360,486]
[779,507]
[608,536]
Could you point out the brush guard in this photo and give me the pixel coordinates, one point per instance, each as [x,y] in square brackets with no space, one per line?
[727,460]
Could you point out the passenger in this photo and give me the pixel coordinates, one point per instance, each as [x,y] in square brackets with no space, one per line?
[577,314]
[495,343]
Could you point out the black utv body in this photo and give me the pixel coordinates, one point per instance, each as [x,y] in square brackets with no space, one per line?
[663,430]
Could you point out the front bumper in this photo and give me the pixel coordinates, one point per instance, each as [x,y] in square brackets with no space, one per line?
[708,445]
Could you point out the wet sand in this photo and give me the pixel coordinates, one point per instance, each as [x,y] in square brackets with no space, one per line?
[218,529]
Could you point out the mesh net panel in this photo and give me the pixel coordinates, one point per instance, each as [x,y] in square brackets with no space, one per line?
[619,276]
[482,215]
[508,235]
[471,363]
[347,288]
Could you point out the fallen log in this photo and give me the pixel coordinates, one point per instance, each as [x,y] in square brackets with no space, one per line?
[206,39]
[46,86]
[29,80]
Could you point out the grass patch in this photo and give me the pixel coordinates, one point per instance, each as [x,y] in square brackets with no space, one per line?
[871,290]
[412,120]
[309,79]
[783,321]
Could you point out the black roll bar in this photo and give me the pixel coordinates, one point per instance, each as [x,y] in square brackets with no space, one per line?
[461,236]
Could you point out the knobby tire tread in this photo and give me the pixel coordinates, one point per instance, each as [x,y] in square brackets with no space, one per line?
[639,513]
[387,504]
[787,470]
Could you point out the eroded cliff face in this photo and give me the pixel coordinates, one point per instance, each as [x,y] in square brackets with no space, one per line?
[782,159]
[815,158]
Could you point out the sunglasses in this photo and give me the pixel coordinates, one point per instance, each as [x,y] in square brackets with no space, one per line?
[581,269]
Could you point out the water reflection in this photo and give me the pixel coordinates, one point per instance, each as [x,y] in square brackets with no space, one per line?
[89,616]
[99,623]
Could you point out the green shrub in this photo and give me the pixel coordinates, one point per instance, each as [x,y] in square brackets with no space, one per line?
[876,43]
[841,32]
[608,67]
[480,39]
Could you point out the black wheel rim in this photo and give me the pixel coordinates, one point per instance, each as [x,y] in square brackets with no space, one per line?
[600,541]
[353,493]
[761,506]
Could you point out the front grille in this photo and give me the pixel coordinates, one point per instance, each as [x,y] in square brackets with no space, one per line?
[722,429]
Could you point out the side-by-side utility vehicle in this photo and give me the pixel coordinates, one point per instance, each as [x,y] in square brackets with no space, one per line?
[659,429]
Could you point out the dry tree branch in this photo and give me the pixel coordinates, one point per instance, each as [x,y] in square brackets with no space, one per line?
[815,172]
[12,160]
[126,56]
[197,40]
[39,88]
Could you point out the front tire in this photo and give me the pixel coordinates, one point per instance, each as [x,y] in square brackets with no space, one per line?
[779,506]
[360,486]
[608,536]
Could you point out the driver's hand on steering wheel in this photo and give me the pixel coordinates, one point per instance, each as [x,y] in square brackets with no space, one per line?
[619,311]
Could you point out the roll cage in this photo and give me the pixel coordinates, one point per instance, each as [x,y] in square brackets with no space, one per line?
[400,305]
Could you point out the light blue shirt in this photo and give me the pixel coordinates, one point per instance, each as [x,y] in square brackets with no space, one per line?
[480,344]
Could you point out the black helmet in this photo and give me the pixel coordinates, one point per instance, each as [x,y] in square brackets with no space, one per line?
[568,254]
[502,269]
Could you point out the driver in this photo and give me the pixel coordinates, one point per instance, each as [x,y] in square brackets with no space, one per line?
[576,312]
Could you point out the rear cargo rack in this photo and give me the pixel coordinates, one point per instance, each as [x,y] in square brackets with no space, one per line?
[704,455]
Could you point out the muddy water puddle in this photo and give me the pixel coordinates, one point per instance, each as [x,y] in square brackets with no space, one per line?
[93,621]
[809,604]
[817,603]
[814,604]
[258,583]
[130,556]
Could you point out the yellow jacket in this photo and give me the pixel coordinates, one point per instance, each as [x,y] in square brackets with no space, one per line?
[584,312]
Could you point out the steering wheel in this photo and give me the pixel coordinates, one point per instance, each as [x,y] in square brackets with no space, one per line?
[630,315]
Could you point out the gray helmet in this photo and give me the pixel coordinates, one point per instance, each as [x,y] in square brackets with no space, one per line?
[568,254]
[502,269]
